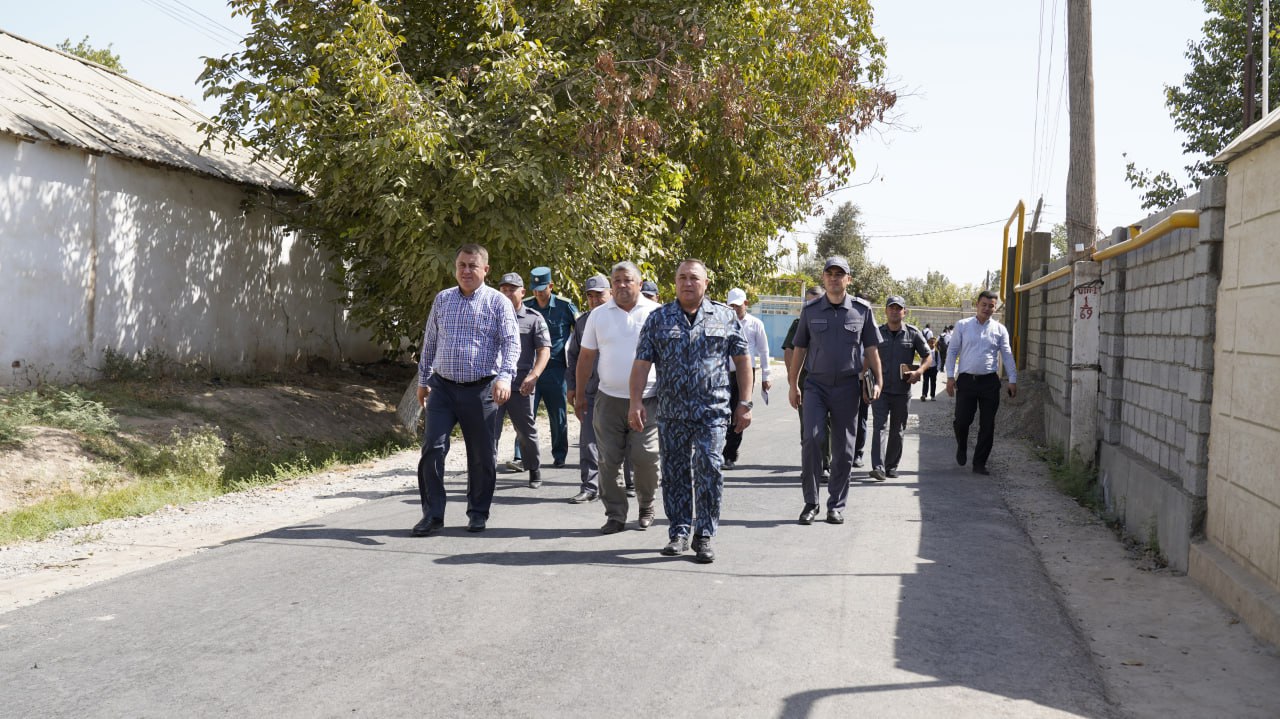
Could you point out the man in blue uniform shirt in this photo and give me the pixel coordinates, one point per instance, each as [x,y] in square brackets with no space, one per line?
[834,333]
[559,314]
[690,341]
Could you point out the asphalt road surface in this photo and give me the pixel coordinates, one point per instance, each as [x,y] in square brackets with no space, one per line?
[929,601]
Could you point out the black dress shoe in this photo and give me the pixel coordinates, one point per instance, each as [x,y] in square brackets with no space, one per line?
[962,455]
[705,554]
[476,525]
[581,497]
[612,526]
[981,469]
[558,463]
[427,526]
[808,514]
[676,547]
[834,517]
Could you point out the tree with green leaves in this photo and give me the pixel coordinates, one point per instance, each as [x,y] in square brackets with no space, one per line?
[571,134]
[841,235]
[935,290]
[102,56]
[1209,104]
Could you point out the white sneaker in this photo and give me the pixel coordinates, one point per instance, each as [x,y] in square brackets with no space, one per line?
[515,465]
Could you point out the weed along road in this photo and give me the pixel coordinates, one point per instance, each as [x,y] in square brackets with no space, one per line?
[928,601]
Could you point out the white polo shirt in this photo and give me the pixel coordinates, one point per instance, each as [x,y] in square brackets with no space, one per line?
[614,332]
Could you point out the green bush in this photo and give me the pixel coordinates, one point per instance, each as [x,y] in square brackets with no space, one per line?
[52,408]
[147,364]
[1073,477]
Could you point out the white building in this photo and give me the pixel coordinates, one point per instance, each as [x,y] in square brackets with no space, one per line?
[117,232]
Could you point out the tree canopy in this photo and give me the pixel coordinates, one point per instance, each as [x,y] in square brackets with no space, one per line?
[102,56]
[566,133]
[1209,104]
[841,235]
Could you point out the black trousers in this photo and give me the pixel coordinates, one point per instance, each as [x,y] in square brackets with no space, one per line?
[978,394]
[732,439]
[929,387]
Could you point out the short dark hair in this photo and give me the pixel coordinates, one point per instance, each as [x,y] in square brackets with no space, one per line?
[472,248]
[989,295]
[693,261]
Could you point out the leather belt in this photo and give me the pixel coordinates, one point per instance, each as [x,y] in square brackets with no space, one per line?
[472,383]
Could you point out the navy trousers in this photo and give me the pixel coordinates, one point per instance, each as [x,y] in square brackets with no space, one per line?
[450,405]
[837,403]
[551,391]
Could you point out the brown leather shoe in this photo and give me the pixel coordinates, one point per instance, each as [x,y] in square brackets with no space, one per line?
[647,516]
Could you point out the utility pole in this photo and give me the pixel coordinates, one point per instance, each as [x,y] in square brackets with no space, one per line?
[1082,202]
[1250,66]
[1082,219]
[1266,58]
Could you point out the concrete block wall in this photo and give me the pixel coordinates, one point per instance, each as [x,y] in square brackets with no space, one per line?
[1156,326]
[1048,345]
[1240,561]
[1159,306]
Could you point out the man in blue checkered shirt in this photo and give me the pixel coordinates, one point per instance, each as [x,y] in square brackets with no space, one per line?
[469,353]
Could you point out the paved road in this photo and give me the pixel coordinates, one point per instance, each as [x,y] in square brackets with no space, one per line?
[929,601]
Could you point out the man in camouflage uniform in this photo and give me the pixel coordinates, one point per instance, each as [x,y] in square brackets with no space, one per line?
[689,341]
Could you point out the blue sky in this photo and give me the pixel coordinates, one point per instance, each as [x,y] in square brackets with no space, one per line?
[975,132]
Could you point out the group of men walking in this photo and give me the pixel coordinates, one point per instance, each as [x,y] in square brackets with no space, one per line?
[652,381]
[664,392]
[839,362]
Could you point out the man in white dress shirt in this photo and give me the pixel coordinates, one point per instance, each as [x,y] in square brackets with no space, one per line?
[757,350]
[973,378]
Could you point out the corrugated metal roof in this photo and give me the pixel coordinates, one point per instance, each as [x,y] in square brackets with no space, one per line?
[50,96]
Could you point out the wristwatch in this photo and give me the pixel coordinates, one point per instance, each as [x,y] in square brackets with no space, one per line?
[747,403]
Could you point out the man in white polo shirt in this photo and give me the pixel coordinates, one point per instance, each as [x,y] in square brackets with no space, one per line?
[609,342]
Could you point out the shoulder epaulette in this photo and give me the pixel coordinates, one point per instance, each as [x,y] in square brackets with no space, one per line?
[863,302]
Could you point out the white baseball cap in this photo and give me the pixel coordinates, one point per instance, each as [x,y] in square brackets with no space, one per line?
[737,296]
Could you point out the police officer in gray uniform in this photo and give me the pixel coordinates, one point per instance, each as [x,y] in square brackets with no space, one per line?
[835,331]
[899,346]
[535,350]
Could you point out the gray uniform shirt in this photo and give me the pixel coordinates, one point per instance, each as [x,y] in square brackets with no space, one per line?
[834,337]
[899,348]
[533,335]
[572,349]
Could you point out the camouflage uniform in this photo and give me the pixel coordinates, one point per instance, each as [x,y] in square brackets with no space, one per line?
[693,407]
